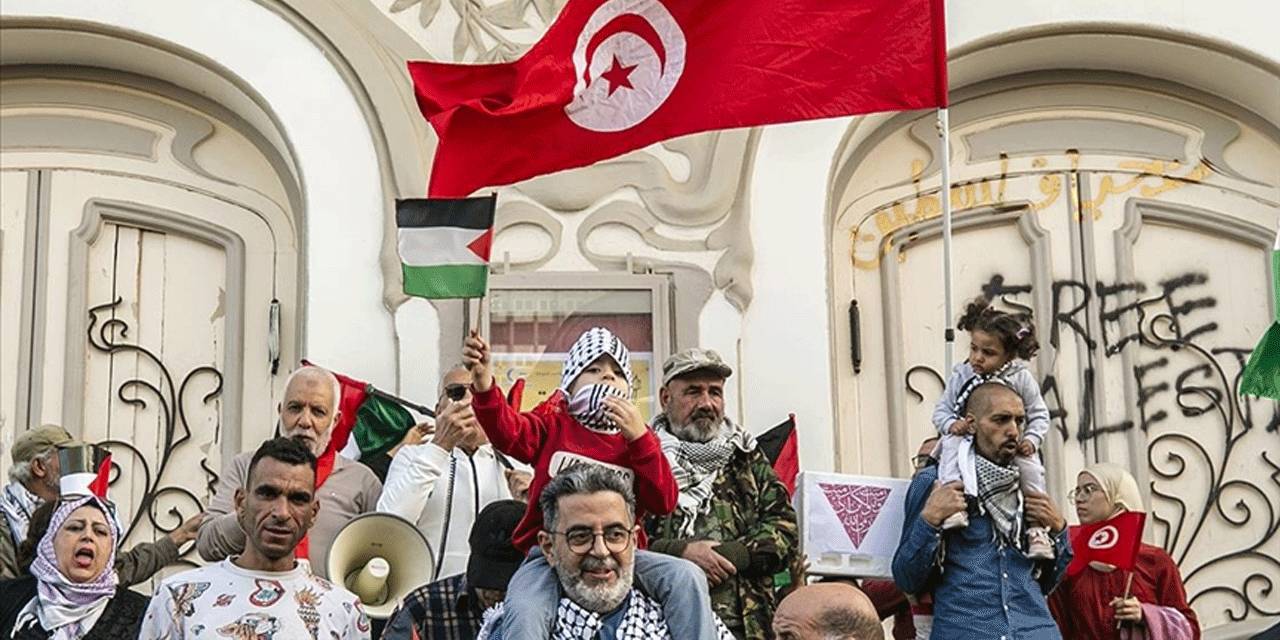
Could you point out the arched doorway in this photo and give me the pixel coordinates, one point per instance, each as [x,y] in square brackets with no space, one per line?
[149,267]
[1134,218]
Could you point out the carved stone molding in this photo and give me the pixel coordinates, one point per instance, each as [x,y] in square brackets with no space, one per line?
[479,30]
[711,204]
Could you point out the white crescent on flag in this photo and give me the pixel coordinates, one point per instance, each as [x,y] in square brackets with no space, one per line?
[627,61]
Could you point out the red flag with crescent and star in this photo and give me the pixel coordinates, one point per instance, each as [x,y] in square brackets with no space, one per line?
[611,76]
[1114,541]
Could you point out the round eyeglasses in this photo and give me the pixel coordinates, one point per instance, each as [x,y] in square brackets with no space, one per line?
[1083,493]
[616,539]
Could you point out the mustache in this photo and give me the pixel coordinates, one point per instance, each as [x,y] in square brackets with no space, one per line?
[592,563]
[708,414]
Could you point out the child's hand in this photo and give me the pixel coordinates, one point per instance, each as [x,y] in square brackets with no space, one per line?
[960,428]
[626,416]
[475,354]
[1026,448]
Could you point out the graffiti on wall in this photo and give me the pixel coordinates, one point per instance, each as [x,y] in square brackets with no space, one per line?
[1152,321]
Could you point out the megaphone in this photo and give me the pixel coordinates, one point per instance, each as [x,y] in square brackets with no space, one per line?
[380,557]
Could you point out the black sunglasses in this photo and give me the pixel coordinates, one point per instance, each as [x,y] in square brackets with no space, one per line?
[455,391]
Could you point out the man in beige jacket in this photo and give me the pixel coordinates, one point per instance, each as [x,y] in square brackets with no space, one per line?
[345,488]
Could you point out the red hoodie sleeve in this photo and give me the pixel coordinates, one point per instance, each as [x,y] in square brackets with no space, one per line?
[656,490]
[519,435]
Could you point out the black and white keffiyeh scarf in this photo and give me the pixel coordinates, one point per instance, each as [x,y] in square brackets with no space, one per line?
[593,343]
[1000,375]
[642,621]
[1000,498]
[18,503]
[695,465]
[587,407]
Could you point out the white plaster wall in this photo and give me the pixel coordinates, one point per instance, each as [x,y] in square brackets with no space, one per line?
[1245,24]
[786,364]
[347,327]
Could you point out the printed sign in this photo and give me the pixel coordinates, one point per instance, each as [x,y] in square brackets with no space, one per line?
[850,525]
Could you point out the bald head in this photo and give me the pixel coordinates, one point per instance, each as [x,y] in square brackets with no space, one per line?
[827,611]
[980,401]
[997,415]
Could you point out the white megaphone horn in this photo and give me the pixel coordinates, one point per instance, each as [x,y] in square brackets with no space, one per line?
[380,557]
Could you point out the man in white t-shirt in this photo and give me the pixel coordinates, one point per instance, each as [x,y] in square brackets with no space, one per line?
[264,592]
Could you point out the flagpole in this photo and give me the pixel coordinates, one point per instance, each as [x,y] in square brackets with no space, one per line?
[949,332]
[1128,583]
[466,319]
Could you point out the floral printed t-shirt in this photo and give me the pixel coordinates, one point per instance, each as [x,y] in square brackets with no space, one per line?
[226,601]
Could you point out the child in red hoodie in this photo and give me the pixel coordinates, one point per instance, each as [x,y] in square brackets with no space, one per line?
[589,420]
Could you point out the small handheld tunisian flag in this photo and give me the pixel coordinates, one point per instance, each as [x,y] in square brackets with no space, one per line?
[444,245]
[1114,542]
[610,76]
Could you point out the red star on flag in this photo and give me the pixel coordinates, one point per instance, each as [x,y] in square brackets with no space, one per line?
[618,75]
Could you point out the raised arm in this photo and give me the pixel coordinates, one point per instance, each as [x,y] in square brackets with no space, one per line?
[411,479]
[519,435]
[220,534]
[928,504]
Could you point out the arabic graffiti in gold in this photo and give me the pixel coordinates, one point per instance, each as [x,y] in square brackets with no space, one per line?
[1154,177]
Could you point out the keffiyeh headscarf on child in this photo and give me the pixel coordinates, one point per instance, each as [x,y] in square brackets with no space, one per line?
[69,609]
[587,405]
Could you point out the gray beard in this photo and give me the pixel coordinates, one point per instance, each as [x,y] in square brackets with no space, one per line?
[600,599]
[697,430]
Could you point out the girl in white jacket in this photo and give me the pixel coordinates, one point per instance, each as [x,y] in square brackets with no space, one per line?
[999,345]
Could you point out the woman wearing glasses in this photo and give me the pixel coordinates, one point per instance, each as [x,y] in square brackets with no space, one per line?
[1089,605]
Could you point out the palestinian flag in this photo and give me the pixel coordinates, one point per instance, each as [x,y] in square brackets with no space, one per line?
[444,245]
[779,446]
[1261,377]
[370,423]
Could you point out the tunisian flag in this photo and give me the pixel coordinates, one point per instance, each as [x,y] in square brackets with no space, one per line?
[1114,541]
[610,76]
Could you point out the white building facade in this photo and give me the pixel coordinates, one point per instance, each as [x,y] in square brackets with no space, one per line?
[195,195]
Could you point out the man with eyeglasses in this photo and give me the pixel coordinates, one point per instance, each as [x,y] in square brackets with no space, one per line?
[589,539]
[983,586]
[443,484]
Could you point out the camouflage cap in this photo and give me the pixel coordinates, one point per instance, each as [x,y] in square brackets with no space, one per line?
[35,441]
[694,359]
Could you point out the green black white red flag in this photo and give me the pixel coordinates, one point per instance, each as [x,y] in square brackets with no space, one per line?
[444,245]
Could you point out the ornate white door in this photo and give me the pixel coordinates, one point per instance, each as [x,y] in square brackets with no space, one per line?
[148,268]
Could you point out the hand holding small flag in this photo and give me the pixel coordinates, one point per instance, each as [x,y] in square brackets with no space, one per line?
[475,354]
[1114,542]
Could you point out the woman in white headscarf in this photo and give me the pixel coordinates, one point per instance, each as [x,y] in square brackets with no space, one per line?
[1089,604]
[72,592]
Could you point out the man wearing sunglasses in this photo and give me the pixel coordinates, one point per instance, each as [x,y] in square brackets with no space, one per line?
[589,539]
[443,483]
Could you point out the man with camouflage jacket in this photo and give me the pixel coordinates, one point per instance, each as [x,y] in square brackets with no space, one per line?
[733,518]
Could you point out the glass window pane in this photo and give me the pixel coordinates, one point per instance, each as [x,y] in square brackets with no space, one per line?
[531,331]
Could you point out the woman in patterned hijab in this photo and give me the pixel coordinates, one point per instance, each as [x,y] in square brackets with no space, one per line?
[72,592]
